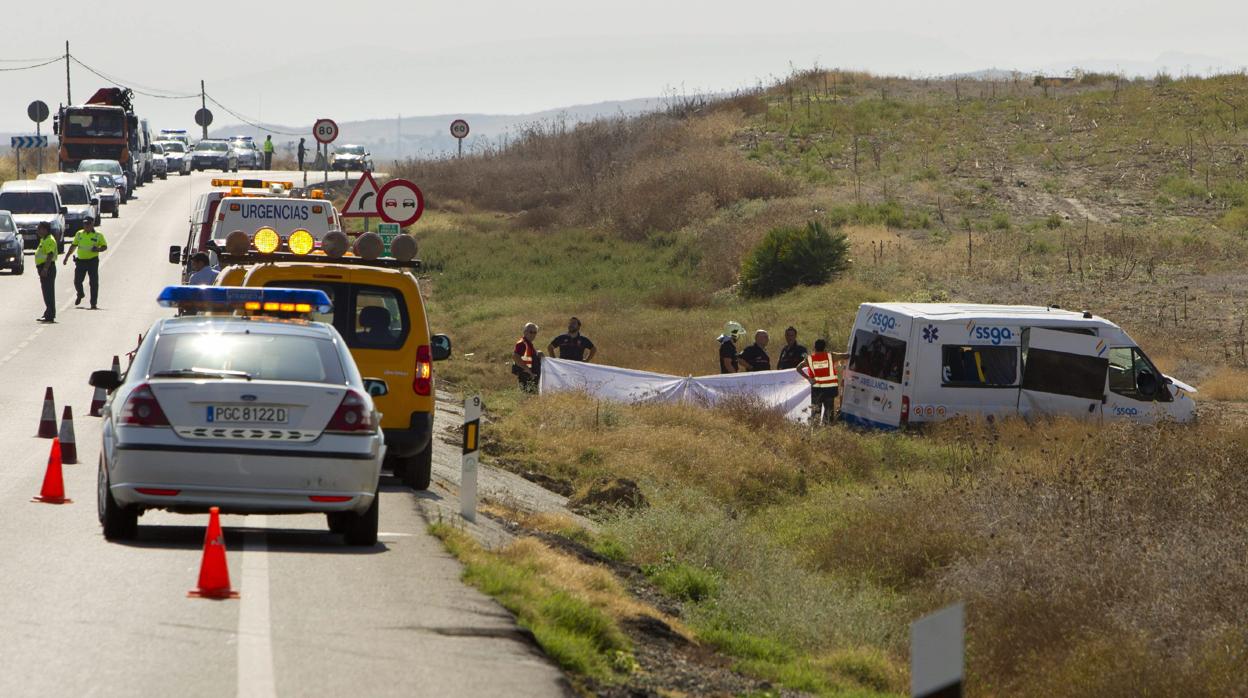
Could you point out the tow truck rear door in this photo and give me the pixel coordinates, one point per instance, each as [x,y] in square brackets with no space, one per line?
[1064,373]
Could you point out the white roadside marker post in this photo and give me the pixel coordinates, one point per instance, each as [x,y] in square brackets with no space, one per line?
[937,646]
[468,472]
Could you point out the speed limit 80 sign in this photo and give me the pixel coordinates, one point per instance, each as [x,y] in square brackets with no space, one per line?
[325,130]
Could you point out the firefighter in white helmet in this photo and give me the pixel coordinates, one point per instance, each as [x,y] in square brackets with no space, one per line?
[728,356]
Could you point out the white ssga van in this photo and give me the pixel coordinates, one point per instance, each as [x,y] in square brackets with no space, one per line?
[928,362]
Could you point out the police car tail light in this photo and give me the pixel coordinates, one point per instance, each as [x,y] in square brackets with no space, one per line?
[142,409]
[352,416]
[423,382]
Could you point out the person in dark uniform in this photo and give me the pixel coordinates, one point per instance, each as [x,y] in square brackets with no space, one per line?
[755,356]
[302,152]
[573,345]
[728,358]
[792,354]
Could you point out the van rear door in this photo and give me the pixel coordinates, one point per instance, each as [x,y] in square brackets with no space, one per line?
[874,380]
[1064,373]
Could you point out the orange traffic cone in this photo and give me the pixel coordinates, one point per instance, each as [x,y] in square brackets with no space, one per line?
[116,364]
[214,574]
[69,451]
[53,491]
[47,422]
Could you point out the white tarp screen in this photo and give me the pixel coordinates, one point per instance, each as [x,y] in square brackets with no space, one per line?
[784,390]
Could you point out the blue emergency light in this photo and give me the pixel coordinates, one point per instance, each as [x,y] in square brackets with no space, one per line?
[225,298]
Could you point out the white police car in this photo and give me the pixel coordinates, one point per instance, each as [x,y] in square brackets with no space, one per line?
[248,412]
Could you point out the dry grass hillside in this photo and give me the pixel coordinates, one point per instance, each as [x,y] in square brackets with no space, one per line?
[1095,559]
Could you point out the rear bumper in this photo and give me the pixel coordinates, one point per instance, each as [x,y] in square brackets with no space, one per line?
[247,479]
[408,442]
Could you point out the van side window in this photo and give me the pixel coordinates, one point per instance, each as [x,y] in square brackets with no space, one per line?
[979,366]
[877,356]
[1132,375]
[1061,373]
[380,318]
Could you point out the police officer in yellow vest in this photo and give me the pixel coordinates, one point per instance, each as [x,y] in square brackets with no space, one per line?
[268,152]
[819,369]
[45,264]
[89,244]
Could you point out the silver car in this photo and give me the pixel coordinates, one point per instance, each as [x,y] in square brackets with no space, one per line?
[160,167]
[351,157]
[106,189]
[250,414]
[177,158]
[248,155]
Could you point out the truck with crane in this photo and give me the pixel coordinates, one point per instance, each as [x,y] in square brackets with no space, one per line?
[104,128]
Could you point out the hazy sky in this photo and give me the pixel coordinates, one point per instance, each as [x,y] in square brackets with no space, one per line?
[289,62]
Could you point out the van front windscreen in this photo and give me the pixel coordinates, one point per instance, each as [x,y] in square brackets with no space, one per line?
[878,356]
[28,202]
[73,194]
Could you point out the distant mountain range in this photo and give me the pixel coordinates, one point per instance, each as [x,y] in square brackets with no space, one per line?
[429,136]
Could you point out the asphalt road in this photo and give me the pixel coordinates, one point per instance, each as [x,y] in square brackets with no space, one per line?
[82,616]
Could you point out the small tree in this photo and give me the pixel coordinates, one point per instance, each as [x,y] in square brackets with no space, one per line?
[788,257]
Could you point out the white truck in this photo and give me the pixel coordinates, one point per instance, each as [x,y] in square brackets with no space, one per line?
[927,362]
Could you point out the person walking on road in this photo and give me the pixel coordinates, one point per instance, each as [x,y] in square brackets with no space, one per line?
[45,264]
[728,358]
[202,274]
[89,244]
[573,345]
[268,152]
[301,153]
[755,356]
[792,354]
[526,363]
[819,369]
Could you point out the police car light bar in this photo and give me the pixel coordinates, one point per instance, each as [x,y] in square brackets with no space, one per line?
[226,298]
[251,183]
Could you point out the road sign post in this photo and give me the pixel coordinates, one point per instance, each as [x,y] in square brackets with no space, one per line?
[203,119]
[937,643]
[38,113]
[459,129]
[325,131]
[468,469]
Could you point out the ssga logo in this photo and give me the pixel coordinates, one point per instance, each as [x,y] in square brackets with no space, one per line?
[1126,412]
[882,321]
[996,335]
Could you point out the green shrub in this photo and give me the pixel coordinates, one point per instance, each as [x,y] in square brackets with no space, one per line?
[1053,222]
[1236,219]
[788,257]
[1001,220]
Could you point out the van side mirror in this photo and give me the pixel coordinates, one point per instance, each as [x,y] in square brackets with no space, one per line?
[175,254]
[95,201]
[376,387]
[108,380]
[441,346]
[64,210]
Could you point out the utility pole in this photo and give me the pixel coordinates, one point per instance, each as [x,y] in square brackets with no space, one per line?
[203,103]
[69,97]
[398,137]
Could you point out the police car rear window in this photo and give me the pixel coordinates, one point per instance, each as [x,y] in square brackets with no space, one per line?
[260,356]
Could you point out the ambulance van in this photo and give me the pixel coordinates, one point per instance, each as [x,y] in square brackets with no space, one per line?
[912,363]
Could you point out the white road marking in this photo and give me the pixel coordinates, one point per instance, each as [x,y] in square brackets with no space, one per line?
[255,639]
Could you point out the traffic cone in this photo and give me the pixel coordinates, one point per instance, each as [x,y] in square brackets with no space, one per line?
[97,403]
[69,451]
[53,491]
[47,422]
[214,574]
[116,364]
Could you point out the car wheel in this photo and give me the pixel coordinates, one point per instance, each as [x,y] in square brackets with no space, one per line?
[361,529]
[164,175]
[119,523]
[115,213]
[17,270]
[417,470]
[337,521]
[97,218]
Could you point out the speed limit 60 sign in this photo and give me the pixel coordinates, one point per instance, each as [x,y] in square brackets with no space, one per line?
[325,130]
[459,128]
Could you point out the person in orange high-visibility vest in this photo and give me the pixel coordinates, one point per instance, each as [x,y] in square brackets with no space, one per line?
[526,361]
[819,369]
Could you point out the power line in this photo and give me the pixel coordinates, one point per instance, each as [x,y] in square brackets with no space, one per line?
[38,65]
[250,122]
[143,92]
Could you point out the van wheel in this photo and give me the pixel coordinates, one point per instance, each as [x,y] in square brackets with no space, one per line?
[361,529]
[417,470]
[115,213]
[17,270]
[337,521]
